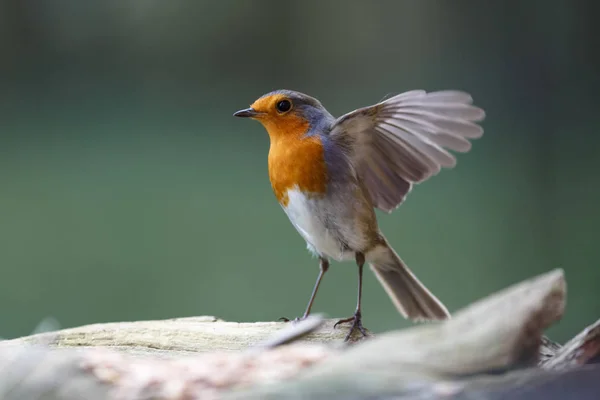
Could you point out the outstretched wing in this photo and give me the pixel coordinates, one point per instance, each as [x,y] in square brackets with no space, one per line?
[404,140]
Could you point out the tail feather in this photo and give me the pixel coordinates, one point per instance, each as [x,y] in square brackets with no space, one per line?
[412,299]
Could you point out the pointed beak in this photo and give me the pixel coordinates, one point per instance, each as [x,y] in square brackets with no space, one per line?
[246,113]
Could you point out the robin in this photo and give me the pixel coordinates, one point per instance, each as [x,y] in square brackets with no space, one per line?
[329,174]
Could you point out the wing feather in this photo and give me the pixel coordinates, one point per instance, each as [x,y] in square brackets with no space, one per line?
[406,140]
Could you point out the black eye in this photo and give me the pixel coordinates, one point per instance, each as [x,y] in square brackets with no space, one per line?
[284,106]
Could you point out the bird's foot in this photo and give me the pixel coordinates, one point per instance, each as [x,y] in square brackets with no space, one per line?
[293,321]
[356,320]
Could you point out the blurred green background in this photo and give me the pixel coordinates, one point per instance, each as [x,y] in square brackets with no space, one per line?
[130,192]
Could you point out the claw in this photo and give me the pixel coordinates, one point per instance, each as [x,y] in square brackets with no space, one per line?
[356,325]
[297,319]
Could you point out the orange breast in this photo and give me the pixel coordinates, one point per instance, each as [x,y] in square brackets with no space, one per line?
[297,161]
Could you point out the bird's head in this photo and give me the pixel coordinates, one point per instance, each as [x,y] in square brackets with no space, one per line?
[286,113]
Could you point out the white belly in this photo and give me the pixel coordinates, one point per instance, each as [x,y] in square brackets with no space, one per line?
[307,216]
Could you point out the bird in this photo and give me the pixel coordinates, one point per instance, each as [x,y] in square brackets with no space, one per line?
[330,175]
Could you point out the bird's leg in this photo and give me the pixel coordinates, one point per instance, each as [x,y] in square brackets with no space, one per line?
[356,318]
[323,267]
